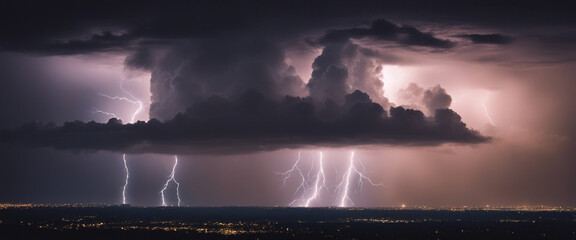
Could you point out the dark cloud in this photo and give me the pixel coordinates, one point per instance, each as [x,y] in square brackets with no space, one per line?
[142,59]
[220,66]
[436,98]
[254,122]
[387,31]
[65,27]
[230,63]
[568,38]
[234,92]
[344,66]
[222,81]
[487,38]
[32,26]
[96,43]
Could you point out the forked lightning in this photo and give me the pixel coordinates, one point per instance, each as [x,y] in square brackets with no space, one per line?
[172,178]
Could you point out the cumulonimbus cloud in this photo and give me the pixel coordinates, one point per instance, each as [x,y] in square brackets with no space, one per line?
[254,123]
[227,94]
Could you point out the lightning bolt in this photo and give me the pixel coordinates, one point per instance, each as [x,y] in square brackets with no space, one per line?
[296,169]
[344,186]
[319,183]
[482,103]
[134,100]
[126,179]
[172,178]
[487,114]
[288,174]
[138,102]
[105,113]
[485,109]
[306,187]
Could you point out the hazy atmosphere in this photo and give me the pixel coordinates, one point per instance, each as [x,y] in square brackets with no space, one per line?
[290,103]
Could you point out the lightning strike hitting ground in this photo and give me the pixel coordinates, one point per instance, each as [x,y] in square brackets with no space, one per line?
[319,183]
[172,178]
[344,187]
[140,106]
[306,187]
[126,180]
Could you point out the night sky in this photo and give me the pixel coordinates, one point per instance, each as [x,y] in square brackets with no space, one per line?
[282,103]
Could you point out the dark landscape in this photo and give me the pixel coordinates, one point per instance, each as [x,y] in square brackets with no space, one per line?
[127,222]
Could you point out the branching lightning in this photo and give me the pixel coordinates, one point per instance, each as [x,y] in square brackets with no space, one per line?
[134,100]
[173,179]
[105,113]
[138,102]
[319,183]
[344,187]
[288,174]
[312,184]
[309,186]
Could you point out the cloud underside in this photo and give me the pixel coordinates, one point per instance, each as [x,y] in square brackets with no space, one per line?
[255,123]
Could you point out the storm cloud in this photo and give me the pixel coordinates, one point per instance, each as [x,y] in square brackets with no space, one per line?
[28,27]
[487,38]
[251,77]
[233,93]
[227,84]
[254,122]
[231,63]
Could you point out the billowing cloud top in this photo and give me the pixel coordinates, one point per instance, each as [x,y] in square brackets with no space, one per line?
[229,88]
